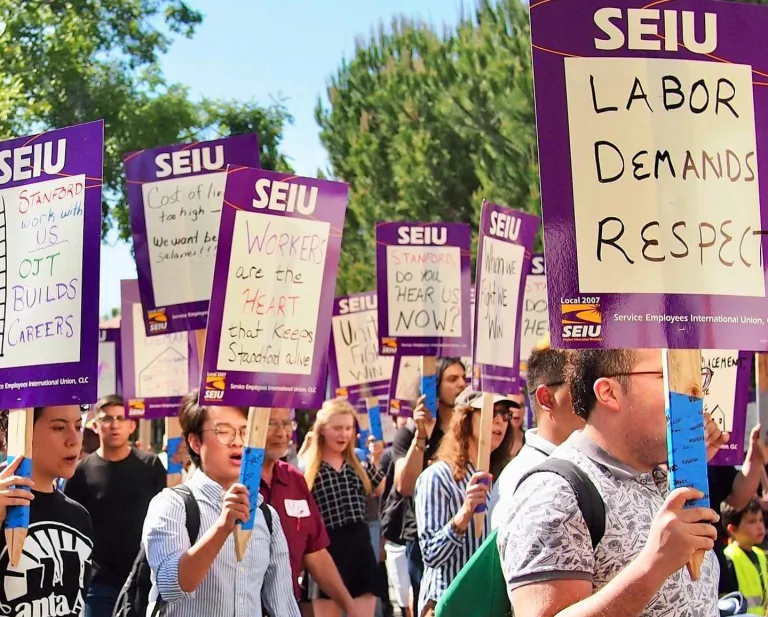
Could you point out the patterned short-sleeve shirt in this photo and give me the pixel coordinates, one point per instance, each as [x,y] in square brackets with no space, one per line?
[545,536]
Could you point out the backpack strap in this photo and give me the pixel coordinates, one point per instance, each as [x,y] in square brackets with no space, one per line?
[590,501]
[192,510]
[267,515]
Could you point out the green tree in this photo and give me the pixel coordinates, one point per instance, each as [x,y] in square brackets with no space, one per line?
[64,62]
[422,125]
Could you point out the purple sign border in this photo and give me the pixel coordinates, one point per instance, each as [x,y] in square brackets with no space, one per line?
[112,335]
[354,393]
[458,235]
[488,377]
[85,155]
[154,407]
[727,456]
[140,169]
[307,391]
[565,28]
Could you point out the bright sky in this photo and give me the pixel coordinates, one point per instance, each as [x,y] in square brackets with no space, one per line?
[263,48]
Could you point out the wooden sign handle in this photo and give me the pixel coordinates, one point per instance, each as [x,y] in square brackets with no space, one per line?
[20,426]
[484,456]
[686,441]
[250,472]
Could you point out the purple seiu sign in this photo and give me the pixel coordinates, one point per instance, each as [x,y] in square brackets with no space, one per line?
[157,370]
[535,322]
[50,242]
[504,252]
[273,289]
[649,129]
[726,382]
[175,195]
[423,280]
[110,378]
[356,368]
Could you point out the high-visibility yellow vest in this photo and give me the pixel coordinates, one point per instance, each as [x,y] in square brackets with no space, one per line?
[748,576]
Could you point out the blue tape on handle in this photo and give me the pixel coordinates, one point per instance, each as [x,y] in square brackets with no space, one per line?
[686,446]
[18,516]
[482,507]
[250,478]
[174,443]
[429,389]
[362,442]
[374,418]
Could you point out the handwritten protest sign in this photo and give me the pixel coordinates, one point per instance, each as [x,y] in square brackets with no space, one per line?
[535,324]
[355,363]
[109,375]
[175,195]
[503,254]
[50,240]
[647,128]
[423,281]
[725,382]
[157,370]
[405,385]
[270,316]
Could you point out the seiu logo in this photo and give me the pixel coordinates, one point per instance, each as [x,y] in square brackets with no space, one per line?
[285,196]
[158,327]
[422,235]
[27,162]
[213,395]
[190,161]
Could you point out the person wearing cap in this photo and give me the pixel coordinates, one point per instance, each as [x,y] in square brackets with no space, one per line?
[450,490]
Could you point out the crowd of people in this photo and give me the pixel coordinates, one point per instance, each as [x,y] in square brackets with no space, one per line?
[384,531]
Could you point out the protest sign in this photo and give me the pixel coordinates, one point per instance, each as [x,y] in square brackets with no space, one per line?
[175,195]
[725,382]
[270,315]
[50,241]
[423,281]
[535,324]
[503,253]
[405,385]
[157,370]
[109,375]
[647,127]
[356,368]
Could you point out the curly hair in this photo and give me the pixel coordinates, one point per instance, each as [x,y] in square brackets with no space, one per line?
[454,446]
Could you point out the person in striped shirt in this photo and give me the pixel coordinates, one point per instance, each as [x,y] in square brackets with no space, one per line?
[449,491]
[201,576]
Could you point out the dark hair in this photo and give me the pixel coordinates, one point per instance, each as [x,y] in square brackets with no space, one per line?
[443,364]
[111,400]
[731,516]
[37,414]
[192,417]
[546,367]
[585,366]
[90,441]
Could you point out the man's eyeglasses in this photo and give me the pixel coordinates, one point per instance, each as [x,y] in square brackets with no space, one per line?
[287,426]
[109,420]
[706,375]
[226,434]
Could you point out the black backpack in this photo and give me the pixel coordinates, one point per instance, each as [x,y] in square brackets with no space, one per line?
[133,599]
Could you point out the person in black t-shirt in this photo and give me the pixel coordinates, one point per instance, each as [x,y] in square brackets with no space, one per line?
[115,484]
[413,449]
[54,572]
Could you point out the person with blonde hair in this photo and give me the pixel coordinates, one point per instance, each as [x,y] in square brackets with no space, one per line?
[340,484]
[449,491]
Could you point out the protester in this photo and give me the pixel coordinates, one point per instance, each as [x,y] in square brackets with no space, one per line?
[449,491]
[201,576]
[55,569]
[115,484]
[340,484]
[413,448]
[555,421]
[637,569]
[746,568]
[517,417]
[284,488]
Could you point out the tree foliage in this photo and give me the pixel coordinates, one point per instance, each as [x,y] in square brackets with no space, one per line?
[424,125]
[64,62]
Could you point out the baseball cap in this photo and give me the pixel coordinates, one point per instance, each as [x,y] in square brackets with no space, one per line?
[474,399]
